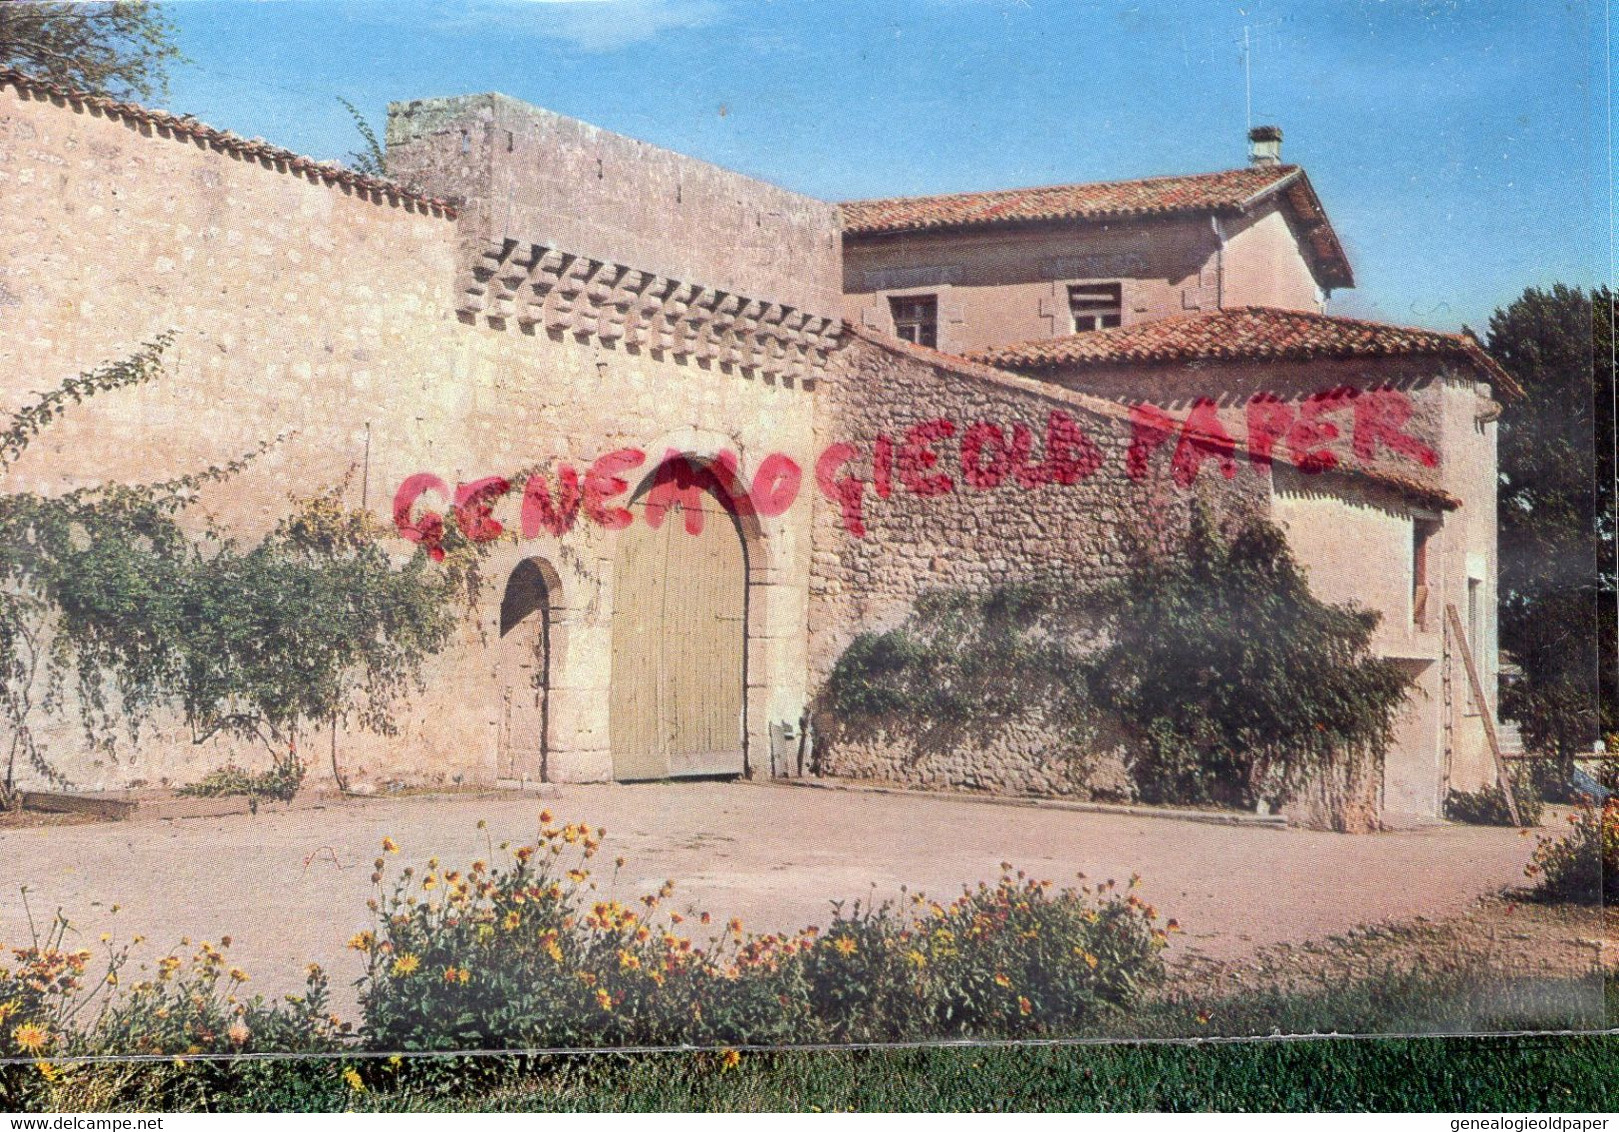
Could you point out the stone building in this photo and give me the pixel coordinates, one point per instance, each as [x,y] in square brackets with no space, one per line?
[764,467]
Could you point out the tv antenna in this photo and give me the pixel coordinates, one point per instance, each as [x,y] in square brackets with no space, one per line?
[1248,76]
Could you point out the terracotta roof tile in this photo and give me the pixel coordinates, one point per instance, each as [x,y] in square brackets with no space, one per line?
[1230,191]
[1245,334]
[1152,196]
[189,129]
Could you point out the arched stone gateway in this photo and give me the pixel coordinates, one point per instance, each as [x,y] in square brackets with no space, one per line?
[525,671]
[680,604]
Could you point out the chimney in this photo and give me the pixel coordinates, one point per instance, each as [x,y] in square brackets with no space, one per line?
[1265,145]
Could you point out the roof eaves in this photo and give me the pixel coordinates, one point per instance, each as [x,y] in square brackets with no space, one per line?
[1274,187]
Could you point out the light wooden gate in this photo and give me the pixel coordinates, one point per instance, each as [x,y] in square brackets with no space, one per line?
[679,638]
[525,673]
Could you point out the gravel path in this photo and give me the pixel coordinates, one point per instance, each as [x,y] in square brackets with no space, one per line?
[290,885]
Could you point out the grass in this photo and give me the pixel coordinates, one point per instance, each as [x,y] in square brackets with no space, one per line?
[1407,1074]
[1558,1072]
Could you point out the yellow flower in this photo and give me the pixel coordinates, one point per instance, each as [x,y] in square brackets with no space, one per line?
[917,958]
[1002,981]
[47,1070]
[30,1038]
[577,875]
[604,1000]
[730,1059]
[545,817]
[352,1077]
[364,941]
[464,976]
[238,974]
[626,961]
[553,950]
[406,965]
[429,882]
[845,946]
[512,922]
[389,845]
[1024,1005]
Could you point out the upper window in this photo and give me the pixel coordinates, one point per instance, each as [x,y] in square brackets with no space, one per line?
[916,319]
[1095,306]
[1422,534]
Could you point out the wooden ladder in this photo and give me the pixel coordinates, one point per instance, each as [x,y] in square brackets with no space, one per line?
[1484,712]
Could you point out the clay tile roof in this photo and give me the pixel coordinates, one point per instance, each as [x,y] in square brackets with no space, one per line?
[1246,334]
[1098,200]
[1229,192]
[187,128]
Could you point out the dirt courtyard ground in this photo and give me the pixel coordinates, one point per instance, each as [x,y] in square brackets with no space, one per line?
[290,886]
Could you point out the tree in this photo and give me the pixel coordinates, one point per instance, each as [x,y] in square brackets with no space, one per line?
[316,623]
[1556,507]
[120,49]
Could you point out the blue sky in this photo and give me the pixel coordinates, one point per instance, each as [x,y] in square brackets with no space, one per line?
[1460,146]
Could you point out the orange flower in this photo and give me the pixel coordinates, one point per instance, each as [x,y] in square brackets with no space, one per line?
[1002,981]
[1024,1006]
[730,1059]
[30,1038]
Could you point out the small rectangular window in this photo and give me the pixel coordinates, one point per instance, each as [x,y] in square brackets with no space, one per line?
[1475,621]
[1095,306]
[1422,532]
[916,319]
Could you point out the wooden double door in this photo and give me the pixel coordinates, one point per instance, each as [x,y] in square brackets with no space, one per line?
[679,633]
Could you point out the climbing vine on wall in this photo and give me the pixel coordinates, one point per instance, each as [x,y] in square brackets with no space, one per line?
[106,590]
[1229,680]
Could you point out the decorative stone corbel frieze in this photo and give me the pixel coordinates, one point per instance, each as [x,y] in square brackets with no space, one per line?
[529,287]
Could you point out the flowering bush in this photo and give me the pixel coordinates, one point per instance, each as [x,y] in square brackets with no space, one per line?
[533,954]
[52,1006]
[1584,865]
[44,992]
[199,1007]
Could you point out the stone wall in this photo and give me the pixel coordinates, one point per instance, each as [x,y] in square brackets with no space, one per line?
[331,317]
[971,535]
[527,174]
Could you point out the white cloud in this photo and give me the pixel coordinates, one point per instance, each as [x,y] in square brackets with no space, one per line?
[595,25]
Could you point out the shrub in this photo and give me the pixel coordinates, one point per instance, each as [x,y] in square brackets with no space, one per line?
[278,784]
[53,1006]
[964,659]
[533,955]
[1488,806]
[1584,865]
[1237,681]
